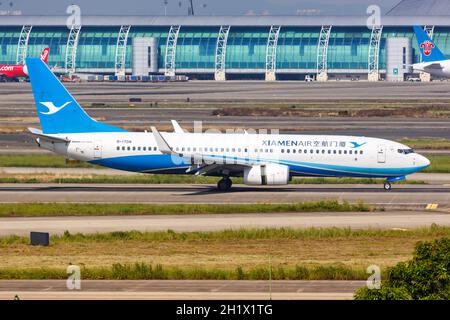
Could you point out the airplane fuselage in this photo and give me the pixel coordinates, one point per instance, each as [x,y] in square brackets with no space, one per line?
[436,68]
[304,155]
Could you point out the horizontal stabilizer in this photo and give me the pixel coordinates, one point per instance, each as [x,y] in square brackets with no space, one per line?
[38,133]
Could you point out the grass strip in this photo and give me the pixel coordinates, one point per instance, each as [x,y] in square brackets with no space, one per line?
[123,209]
[439,164]
[41,161]
[425,143]
[238,234]
[143,271]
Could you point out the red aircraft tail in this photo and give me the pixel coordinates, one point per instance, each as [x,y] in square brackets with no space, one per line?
[44,55]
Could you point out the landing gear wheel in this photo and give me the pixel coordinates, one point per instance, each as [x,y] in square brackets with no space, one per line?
[224,184]
[387,186]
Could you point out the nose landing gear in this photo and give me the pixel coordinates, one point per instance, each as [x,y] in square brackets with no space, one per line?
[387,186]
[224,184]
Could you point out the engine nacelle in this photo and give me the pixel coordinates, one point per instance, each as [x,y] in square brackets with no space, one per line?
[267,174]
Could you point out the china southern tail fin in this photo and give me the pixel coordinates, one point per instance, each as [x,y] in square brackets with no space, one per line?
[44,54]
[58,111]
[429,50]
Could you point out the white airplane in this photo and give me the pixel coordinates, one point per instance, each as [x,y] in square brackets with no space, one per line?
[434,61]
[261,159]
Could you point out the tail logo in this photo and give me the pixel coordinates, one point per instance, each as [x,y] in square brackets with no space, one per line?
[427,47]
[52,109]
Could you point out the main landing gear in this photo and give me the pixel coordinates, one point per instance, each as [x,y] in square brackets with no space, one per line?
[224,184]
[387,186]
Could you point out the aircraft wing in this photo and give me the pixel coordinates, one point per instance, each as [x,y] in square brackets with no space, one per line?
[203,164]
[38,133]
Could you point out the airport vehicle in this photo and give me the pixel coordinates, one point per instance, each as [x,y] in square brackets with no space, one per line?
[261,159]
[10,72]
[434,61]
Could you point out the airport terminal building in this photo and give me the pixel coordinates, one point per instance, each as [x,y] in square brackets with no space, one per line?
[238,47]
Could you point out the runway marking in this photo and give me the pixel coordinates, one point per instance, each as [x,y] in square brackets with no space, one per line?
[432,206]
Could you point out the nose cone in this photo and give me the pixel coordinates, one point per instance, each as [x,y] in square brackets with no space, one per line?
[423,162]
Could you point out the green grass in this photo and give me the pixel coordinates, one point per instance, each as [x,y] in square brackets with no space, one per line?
[41,161]
[94,209]
[439,164]
[142,271]
[311,233]
[425,143]
[197,244]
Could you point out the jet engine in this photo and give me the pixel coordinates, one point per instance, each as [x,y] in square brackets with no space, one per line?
[267,174]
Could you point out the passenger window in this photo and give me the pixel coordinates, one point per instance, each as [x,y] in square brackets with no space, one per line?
[282,150]
[239,149]
[123,148]
[361,152]
[299,150]
[340,151]
[154,149]
[288,150]
[317,151]
[129,148]
[329,151]
[139,148]
[334,151]
[345,151]
[294,151]
[134,148]
[323,151]
[118,148]
[350,152]
[182,149]
[222,149]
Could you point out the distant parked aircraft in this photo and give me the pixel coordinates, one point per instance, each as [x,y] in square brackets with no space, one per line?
[434,61]
[10,72]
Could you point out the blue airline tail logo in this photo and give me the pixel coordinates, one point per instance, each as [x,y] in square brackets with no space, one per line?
[52,109]
[428,49]
[58,111]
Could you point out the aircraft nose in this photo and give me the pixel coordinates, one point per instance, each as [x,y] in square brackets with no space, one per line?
[424,162]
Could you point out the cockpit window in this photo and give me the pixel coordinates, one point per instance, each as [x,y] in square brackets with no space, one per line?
[405,151]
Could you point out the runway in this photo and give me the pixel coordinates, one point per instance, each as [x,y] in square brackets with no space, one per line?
[216,222]
[180,289]
[413,196]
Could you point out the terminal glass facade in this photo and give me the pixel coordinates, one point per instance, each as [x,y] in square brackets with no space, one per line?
[196,47]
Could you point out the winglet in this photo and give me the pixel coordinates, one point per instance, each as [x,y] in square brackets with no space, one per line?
[162,144]
[176,127]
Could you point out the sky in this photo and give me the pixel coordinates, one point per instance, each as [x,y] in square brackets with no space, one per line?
[201,7]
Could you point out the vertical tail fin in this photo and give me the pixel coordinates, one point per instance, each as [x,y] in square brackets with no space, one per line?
[45,54]
[58,111]
[429,50]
